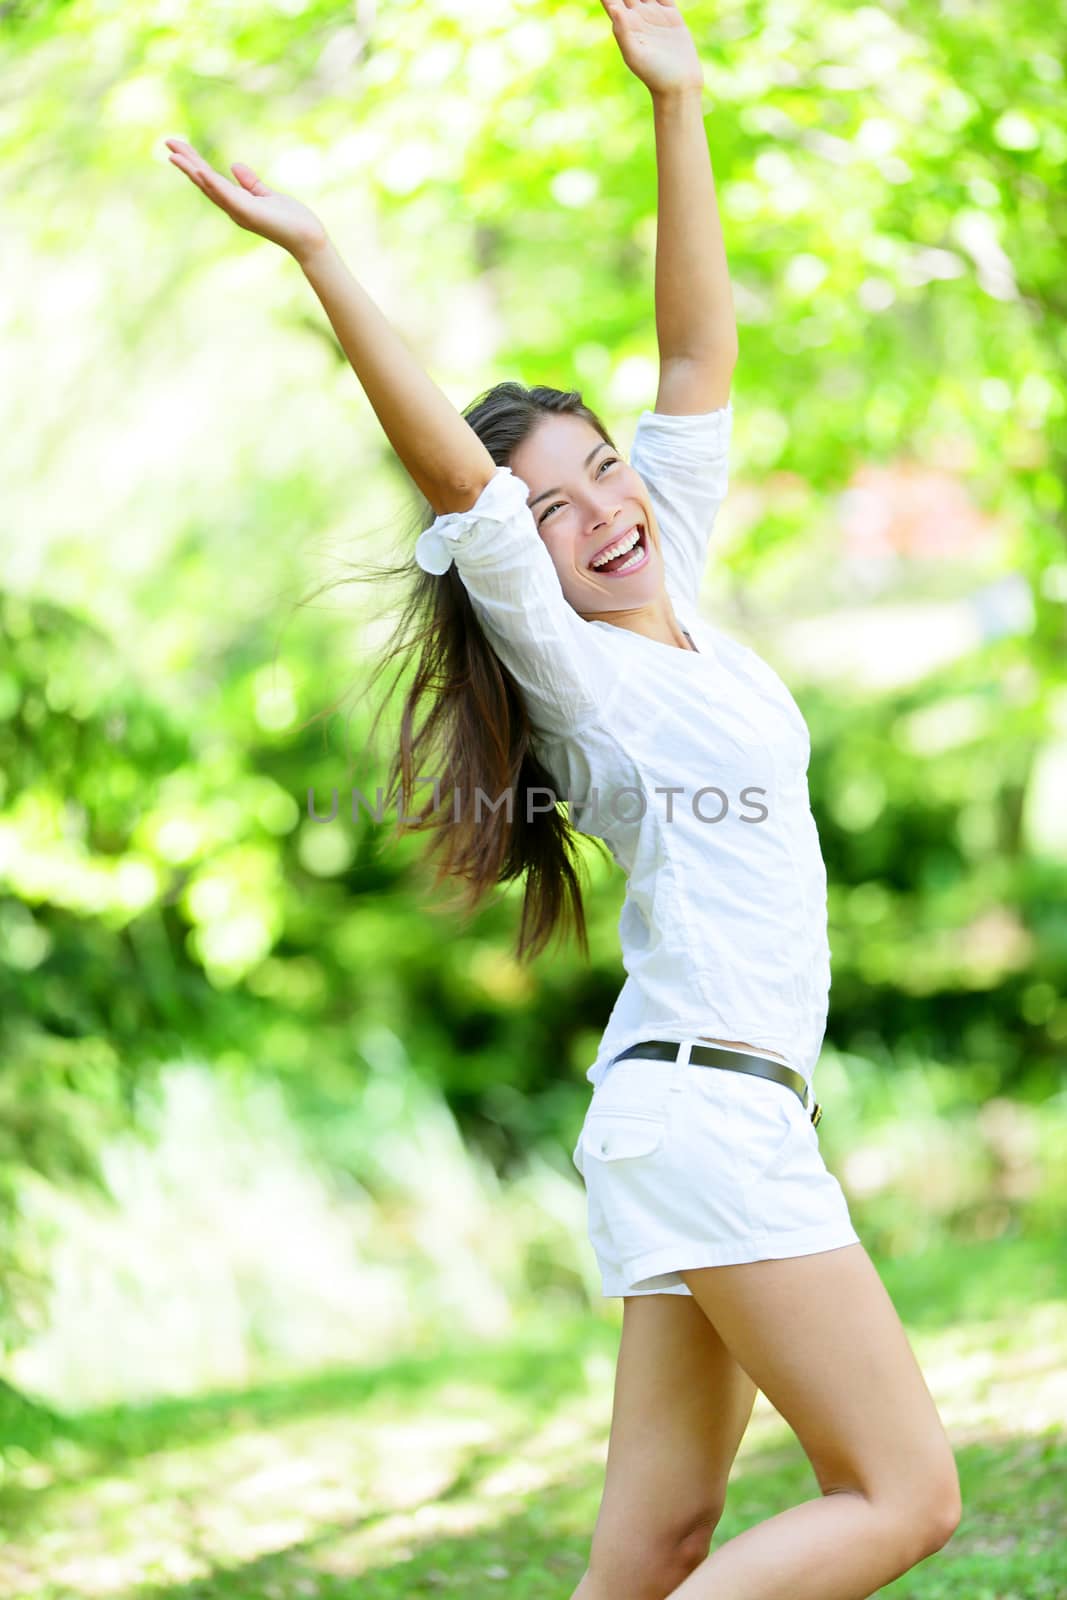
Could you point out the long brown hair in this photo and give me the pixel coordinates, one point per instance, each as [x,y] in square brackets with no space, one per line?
[475,721]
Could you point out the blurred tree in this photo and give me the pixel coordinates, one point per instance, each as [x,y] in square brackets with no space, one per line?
[179,428]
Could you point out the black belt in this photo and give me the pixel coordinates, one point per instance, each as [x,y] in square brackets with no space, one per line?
[706,1055]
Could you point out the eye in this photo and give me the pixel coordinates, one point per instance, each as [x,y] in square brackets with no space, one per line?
[608,461]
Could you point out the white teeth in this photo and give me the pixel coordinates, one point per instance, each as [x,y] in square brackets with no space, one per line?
[627,542]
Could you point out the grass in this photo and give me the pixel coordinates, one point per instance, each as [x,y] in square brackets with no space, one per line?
[478,1470]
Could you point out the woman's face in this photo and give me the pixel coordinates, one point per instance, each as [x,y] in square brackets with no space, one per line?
[584,498]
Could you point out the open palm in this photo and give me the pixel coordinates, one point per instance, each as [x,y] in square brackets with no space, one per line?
[655,43]
[249,203]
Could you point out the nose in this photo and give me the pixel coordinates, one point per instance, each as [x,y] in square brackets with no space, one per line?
[611,518]
[610,512]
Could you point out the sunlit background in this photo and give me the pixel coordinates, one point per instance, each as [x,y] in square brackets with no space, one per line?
[282,1149]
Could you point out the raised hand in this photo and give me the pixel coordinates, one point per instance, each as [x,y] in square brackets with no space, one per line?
[656,44]
[249,203]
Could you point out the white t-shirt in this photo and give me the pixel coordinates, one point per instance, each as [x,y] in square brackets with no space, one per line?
[723,928]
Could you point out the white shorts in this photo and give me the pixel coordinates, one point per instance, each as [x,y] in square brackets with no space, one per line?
[689,1166]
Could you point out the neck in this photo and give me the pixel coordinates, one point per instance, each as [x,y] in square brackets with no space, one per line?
[656,620]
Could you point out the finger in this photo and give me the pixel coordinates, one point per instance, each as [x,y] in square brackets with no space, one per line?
[193,172]
[225,194]
[211,181]
[220,188]
[183,147]
[183,155]
[189,170]
[195,165]
[248,179]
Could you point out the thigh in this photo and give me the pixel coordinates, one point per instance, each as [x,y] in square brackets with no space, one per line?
[821,1337]
[680,1409]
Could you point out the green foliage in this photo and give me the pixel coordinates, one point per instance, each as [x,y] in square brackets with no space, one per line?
[184,452]
[476,1467]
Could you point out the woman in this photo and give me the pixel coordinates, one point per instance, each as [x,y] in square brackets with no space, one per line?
[566,658]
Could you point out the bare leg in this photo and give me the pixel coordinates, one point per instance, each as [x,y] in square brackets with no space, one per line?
[681,1406]
[820,1336]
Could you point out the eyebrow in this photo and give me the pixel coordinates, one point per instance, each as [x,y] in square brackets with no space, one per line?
[603,445]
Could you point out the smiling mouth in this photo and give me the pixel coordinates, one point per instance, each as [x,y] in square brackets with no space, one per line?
[633,558]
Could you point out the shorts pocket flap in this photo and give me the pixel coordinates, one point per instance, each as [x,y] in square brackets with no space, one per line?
[611,1135]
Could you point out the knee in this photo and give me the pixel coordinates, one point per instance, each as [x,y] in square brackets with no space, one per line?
[692,1547]
[943,1511]
[925,1521]
[648,1564]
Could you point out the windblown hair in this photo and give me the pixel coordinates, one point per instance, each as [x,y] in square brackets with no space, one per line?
[465,708]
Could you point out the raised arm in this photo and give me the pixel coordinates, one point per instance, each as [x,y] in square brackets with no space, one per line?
[695,323]
[440,450]
[483,520]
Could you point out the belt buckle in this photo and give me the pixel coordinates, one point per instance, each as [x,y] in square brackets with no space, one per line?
[816,1115]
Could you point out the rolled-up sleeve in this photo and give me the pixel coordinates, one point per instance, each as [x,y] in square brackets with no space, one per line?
[684,461]
[516,595]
